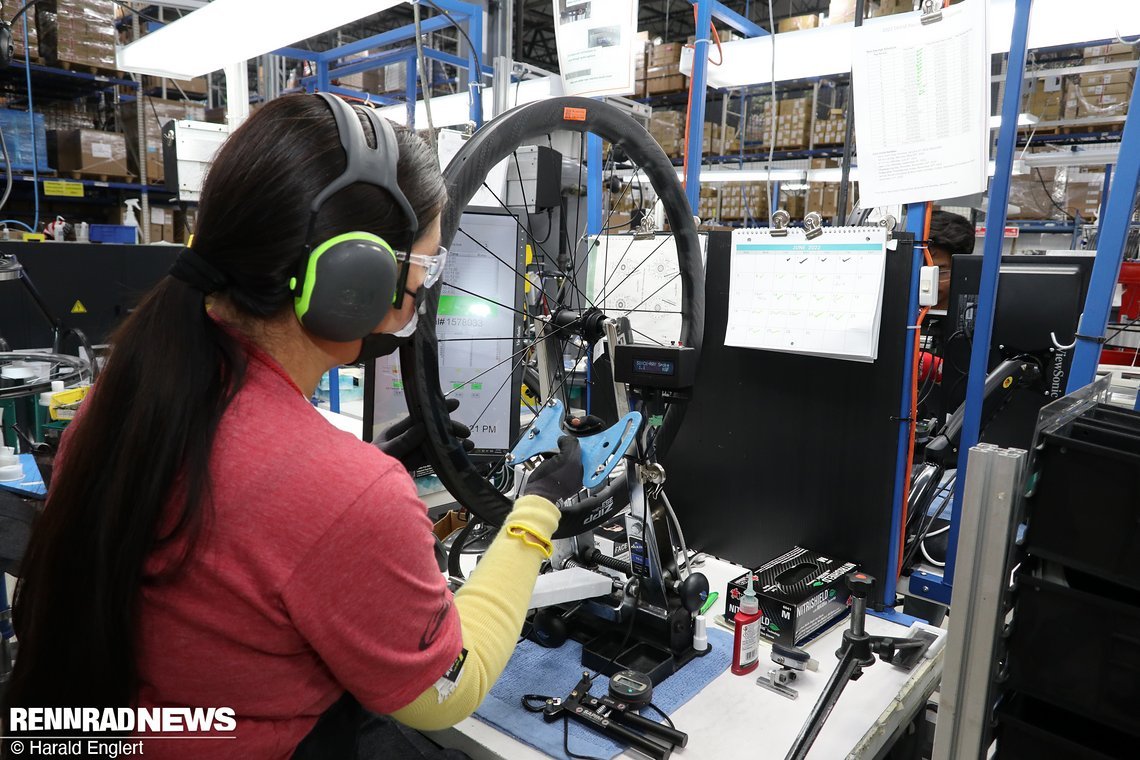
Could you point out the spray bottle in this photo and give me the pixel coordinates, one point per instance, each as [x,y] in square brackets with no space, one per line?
[746,641]
[131,210]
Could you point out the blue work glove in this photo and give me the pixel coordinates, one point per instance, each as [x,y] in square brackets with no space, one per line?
[405,439]
[560,476]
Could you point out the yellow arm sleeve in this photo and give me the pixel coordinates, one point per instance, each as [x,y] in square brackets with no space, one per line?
[492,606]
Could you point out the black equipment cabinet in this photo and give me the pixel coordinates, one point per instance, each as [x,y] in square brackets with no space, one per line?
[87,286]
[778,449]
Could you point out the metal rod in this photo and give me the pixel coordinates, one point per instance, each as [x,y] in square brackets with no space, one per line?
[823,707]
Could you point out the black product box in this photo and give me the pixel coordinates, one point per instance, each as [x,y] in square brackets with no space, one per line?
[611,539]
[800,592]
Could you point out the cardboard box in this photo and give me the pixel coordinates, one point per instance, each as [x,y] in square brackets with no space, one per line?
[841,12]
[156,113]
[1123,76]
[800,593]
[197,86]
[80,32]
[88,151]
[891,7]
[796,23]
[1116,48]
[666,53]
[662,85]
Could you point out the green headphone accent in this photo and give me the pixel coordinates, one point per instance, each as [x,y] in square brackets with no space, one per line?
[346,285]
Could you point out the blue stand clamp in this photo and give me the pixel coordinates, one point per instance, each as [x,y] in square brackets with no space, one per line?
[600,452]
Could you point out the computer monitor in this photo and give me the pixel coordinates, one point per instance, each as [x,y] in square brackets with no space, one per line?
[1039,303]
[477,335]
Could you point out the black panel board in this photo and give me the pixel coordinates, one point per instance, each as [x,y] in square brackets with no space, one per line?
[109,280]
[779,449]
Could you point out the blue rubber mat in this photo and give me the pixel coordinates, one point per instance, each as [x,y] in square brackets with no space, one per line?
[554,672]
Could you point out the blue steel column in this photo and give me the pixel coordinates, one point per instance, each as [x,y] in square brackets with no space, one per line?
[915,224]
[991,266]
[322,84]
[593,185]
[1114,225]
[1107,187]
[410,71]
[695,136]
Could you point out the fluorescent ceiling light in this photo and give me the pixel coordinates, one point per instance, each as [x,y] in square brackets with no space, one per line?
[229,31]
[715,176]
[826,51]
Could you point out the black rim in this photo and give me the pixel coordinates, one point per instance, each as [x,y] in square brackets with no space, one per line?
[464,176]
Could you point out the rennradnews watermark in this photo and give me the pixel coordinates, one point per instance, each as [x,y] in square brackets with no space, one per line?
[90,731]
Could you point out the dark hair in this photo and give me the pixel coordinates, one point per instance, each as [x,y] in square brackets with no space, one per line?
[951,232]
[133,473]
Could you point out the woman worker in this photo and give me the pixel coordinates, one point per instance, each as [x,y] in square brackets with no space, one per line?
[209,539]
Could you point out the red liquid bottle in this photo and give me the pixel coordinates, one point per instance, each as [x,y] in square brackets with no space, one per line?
[746,640]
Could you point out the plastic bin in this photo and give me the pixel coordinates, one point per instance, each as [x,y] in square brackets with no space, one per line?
[113,233]
[18,134]
[1085,510]
[1079,651]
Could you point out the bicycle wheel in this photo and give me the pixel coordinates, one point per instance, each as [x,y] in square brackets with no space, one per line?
[464,176]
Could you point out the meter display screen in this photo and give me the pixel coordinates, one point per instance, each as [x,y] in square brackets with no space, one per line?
[654,367]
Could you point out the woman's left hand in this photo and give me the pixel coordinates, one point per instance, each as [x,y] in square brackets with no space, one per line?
[405,439]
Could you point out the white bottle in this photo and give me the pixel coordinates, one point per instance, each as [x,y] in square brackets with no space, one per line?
[82,233]
[131,210]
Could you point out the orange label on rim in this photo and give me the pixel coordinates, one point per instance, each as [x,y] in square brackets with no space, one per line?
[573,114]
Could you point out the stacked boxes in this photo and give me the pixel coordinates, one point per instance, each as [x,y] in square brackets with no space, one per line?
[1104,94]
[793,123]
[78,32]
[1044,98]
[639,63]
[707,203]
[717,141]
[795,23]
[196,87]
[668,129]
[163,111]
[743,200]
[841,12]
[832,130]
[891,7]
[662,69]
[1083,189]
[33,46]
[88,151]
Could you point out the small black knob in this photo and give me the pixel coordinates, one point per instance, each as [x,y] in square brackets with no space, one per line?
[694,591]
[860,584]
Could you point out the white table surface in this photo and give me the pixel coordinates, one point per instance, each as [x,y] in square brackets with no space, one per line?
[733,712]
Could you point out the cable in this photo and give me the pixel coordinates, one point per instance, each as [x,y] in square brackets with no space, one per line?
[7,170]
[32,124]
[566,742]
[625,639]
[773,203]
[474,50]
[663,714]
[425,84]
[1049,195]
[680,533]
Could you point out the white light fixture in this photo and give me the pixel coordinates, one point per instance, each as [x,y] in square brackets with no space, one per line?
[227,31]
[826,51]
[1023,120]
[717,176]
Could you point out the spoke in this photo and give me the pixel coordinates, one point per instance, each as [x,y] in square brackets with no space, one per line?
[641,311]
[488,250]
[507,379]
[644,300]
[527,233]
[520,352]
[460,340]
[642,262]
[650,337]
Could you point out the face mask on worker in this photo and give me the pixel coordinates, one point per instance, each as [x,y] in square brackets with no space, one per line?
[383,344]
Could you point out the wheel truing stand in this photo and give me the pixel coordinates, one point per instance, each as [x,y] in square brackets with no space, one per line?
[857,652]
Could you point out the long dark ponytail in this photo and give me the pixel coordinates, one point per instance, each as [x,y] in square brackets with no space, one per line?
[134,470]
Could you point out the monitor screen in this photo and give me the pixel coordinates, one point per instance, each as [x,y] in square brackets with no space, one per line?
[478,336]
[1039,304]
